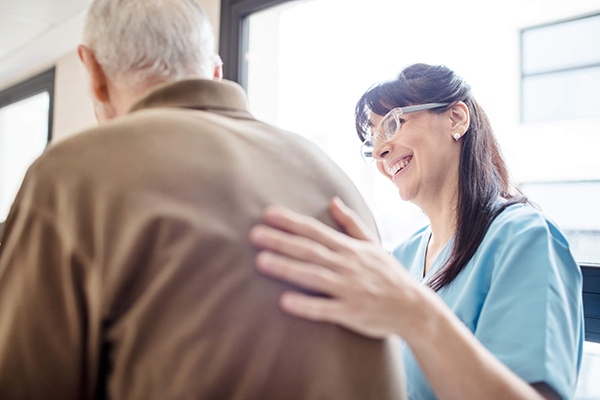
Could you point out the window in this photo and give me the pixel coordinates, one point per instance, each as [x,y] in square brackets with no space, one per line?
[25,130]
[573,206]
[305,63]
[560,69]
[290,79]
[587,389]
[560,75]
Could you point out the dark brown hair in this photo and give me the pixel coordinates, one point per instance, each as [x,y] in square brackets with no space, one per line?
[483,176]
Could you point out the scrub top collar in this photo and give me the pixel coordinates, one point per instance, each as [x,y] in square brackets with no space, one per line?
[417,273]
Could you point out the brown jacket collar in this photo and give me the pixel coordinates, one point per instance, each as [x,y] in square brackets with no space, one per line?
[199,94]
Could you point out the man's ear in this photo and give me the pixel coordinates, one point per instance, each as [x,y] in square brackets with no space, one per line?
[98,80]
[218,70]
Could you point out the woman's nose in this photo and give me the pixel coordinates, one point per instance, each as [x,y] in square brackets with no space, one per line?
[381,149]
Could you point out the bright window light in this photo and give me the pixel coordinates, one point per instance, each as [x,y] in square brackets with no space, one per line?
[23,137]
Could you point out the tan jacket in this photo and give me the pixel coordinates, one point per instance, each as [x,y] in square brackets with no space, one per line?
[126,271]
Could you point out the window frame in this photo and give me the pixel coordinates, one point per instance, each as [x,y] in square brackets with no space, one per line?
[591,301]
[233,35]
[42,82]
[523,75]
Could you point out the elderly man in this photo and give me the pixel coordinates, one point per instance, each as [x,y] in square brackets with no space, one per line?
[125,270]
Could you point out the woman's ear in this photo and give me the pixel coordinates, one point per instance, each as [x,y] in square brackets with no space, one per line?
[459,119]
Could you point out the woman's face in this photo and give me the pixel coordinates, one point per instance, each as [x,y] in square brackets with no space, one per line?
[422,159]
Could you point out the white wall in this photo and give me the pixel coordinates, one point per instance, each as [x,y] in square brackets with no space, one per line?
[72,105]
[73,109]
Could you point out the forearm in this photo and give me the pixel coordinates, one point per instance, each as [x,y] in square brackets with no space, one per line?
[372,294]
[455,363]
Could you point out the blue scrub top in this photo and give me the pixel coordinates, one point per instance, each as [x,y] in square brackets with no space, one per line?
[520,295]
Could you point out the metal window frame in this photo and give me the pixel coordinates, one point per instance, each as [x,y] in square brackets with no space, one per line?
[43,82]
[591,301]
[523,76]
[233,35]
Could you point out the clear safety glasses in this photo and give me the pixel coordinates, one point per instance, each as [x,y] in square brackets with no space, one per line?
[389,126]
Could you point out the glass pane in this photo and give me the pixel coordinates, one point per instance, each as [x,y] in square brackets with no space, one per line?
[560,46]
[308,81]
[574,207]
[587,386]
[23,137]
[293,73]
[562,95]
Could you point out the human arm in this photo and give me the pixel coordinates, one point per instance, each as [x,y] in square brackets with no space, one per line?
[41,346]
[371,293]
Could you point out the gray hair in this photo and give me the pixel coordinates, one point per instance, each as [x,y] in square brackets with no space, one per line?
[139,43]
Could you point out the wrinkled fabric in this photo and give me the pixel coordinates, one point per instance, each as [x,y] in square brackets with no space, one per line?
[126,270]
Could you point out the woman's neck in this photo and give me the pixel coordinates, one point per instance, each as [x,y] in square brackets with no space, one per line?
[443,224]
[442,214]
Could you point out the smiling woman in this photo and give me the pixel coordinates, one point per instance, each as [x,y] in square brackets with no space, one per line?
[487,296]
[465,179]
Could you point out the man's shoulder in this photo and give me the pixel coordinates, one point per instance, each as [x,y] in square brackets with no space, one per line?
[122,131]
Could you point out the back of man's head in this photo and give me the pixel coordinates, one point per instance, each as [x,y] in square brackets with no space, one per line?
[140,43]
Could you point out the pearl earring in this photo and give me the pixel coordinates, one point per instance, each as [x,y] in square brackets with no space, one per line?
[456,136]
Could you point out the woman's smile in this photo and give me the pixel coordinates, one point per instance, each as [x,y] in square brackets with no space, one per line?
[394,168]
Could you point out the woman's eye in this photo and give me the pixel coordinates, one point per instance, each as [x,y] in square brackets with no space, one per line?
[391,127]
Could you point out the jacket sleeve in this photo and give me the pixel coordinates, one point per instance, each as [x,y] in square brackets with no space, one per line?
[41,310]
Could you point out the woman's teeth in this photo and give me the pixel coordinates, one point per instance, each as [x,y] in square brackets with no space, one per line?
[400,165]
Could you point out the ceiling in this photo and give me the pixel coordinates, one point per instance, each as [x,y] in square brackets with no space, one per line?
[33,32]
